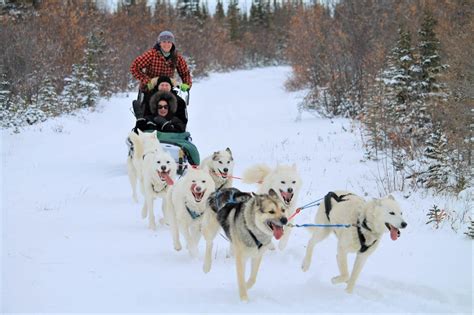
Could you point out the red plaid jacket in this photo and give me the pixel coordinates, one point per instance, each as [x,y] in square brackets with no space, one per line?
[153,64]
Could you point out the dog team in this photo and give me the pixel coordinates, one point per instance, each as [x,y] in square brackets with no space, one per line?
[203,202]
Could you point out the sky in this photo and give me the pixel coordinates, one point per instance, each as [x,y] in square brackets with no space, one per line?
[73,239]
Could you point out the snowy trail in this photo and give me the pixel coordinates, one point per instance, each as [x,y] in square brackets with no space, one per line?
[73,239]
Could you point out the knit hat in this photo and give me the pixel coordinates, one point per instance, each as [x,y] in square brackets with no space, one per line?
[164,79]
[165,36]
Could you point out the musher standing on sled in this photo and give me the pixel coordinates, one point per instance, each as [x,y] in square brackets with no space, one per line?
[161,60]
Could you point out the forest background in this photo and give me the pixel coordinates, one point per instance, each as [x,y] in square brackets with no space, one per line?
[404,69]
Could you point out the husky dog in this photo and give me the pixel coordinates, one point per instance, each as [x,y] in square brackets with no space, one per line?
[221,166]
[139,145]
[210,225]
[283,179]
[186,203]
[249,221]
[158,171]
[368,221]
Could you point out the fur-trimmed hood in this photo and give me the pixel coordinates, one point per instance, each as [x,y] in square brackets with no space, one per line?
[163,95]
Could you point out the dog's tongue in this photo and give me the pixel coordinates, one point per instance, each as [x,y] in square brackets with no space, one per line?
[393,233]
[277,231]
[168,179]
[287,195]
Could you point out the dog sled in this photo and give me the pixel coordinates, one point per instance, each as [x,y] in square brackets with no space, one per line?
[178,144]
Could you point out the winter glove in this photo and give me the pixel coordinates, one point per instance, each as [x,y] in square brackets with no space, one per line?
[141,124]
[159,121]
[184,87]
[138,109]
[152,83]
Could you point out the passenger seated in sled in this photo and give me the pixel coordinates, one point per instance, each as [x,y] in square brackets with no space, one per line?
[160,115]
[141,106]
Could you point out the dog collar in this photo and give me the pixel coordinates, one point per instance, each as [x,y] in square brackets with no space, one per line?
[194,215]
[157,192]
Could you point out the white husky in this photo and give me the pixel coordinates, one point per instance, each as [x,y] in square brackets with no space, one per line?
[158,172]
[140,144]
[221,167]
[368,221]
[283,179]
[186,202]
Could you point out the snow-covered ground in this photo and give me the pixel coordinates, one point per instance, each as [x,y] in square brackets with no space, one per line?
[73,239]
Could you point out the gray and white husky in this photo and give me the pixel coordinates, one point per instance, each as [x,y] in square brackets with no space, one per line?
[249,221]
[221,166]
[368,221]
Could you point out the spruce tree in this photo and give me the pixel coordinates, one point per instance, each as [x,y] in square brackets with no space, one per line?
[47,99]
[233,20]
[70,95]
[430,60]
[436,158]
[219,14]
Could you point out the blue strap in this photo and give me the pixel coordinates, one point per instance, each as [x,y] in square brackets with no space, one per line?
[194,215]
[319,225]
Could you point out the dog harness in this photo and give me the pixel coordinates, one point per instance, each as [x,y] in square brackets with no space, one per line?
[194,215]
[363,246]
[230,201]
[327,201]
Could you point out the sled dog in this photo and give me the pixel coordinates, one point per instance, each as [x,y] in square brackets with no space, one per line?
[139,144]
[158,173]
[221,166]
[186,203]
[368,221]
[283,179]
[249,222]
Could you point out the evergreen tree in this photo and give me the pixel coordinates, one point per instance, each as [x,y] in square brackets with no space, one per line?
[430,60]
[188,7]
[88,75]
[47,99]
[5,89]
[70,95]
[233,20]
[437,162]
[219,15]
[470,230]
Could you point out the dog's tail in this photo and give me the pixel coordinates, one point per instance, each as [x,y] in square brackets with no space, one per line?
[327,200]
[136,143]
[256,174]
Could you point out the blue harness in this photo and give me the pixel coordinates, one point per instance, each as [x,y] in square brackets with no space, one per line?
[194,215]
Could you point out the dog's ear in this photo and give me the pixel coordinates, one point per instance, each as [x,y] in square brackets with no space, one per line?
[154,133]
[228,150]
[242,197]
[272,193]
[215,156]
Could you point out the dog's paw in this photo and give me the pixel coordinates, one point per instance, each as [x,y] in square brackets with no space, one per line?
[177,247]
[244,298]
[250,284]
[163,221]
[271,246]
[349,289]
[305,265]
[152,226]
[206,267]
[339,279]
